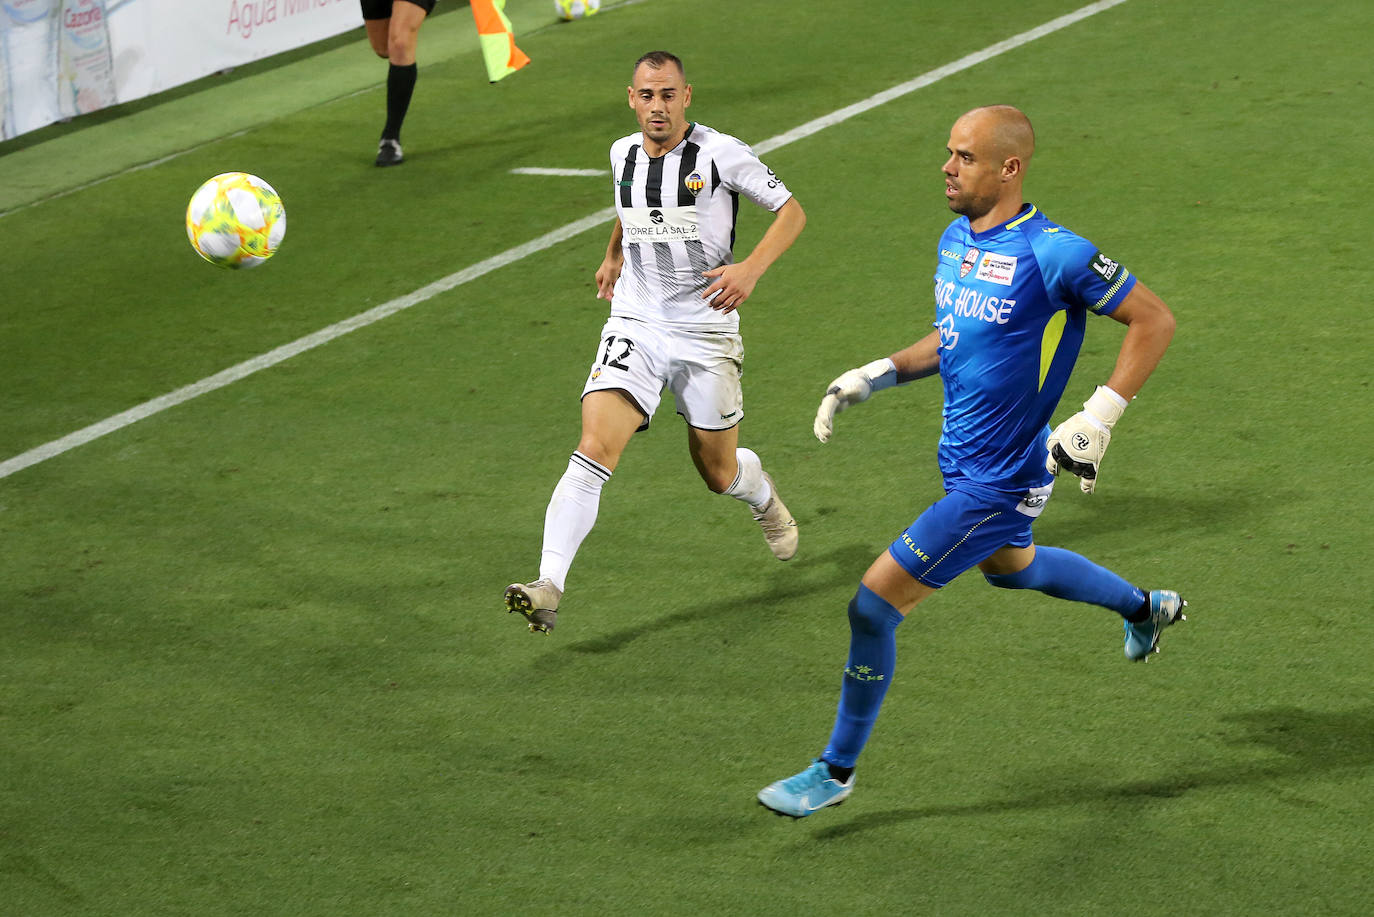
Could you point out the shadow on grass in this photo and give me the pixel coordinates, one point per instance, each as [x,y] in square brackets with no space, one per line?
[1223,509]
[1310,742]
[843,566]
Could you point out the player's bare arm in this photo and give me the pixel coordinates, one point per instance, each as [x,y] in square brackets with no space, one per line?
[1079,443]
[919,360]
[609,272]
[734,283]
[1149,329]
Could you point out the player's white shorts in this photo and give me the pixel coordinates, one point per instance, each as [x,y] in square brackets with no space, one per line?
[701,368]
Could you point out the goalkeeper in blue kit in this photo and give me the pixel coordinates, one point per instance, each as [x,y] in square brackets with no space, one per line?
[1013,291]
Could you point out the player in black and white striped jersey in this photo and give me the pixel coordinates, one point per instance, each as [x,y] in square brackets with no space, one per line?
[677,218]
[674,288]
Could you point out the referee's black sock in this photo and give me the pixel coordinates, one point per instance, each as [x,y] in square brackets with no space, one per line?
[400,85]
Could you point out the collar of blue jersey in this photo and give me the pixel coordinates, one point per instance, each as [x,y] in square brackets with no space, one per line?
[1027,211]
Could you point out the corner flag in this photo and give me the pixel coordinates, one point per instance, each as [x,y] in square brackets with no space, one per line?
[498,42]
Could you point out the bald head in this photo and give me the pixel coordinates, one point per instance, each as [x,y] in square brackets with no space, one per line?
[989,149]
[1005,129]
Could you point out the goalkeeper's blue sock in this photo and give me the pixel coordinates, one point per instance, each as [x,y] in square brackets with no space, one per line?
[1066,575]
[872,660]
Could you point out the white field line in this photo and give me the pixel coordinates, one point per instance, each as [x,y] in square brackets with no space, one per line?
[510,256]
[565,173]
[933,76]
[300,345]
[122,172]
[139,167]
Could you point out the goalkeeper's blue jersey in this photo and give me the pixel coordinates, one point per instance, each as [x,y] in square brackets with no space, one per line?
[1011,305]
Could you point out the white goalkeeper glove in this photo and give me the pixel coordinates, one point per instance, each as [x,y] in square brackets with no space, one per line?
[1079,443]
[851,388]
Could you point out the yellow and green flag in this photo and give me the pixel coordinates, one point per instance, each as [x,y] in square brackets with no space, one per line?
[498,41]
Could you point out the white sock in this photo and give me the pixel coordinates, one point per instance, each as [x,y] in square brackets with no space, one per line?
[750,485]
[570,516]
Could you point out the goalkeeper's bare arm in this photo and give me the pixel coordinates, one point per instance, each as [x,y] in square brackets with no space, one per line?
[1078,444]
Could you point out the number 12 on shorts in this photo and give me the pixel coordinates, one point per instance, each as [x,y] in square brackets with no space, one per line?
[624,345]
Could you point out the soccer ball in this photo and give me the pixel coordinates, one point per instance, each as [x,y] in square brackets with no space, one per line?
[568,10]
[235,220]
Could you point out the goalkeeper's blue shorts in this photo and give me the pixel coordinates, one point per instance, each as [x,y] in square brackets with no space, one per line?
[966,527]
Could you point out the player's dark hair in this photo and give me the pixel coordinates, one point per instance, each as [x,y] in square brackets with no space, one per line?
[658,60]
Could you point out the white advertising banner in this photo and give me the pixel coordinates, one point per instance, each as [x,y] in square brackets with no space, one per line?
[63,58]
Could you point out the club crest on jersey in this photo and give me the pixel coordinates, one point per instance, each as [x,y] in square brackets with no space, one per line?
[970,259]
[694,183]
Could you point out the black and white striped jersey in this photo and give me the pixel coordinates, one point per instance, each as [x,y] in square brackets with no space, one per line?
[677,215]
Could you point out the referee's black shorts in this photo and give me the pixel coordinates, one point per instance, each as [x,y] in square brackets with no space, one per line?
[381,9]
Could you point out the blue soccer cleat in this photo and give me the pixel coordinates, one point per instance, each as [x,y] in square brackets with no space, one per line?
[806,792]
[1166,607]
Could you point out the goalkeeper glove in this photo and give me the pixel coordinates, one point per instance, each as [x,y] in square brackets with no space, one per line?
[851,388]
[1079,442]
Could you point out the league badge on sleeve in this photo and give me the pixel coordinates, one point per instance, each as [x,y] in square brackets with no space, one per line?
[1104,267]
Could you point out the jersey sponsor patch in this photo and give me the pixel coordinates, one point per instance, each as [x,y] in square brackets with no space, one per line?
[970,259]
[1104,267]
[997,268]
[659,224]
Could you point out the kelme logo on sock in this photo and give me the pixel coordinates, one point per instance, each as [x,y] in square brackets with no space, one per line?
[862,673]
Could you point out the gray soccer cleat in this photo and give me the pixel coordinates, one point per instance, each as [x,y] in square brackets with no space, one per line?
[537,601]
[779,528]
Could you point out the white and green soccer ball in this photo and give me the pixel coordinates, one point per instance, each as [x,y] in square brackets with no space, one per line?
[568,10]
[236,220]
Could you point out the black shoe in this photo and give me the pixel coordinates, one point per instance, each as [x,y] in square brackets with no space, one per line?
[389,153]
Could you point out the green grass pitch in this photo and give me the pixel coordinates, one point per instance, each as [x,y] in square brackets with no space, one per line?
[253,658]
